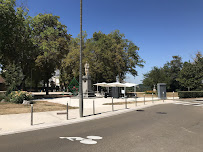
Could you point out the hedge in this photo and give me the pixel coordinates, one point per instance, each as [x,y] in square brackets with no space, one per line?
[190,94]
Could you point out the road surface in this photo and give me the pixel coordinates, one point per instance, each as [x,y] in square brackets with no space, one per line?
[161,128]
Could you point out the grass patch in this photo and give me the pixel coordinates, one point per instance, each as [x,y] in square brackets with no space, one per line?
[39,106]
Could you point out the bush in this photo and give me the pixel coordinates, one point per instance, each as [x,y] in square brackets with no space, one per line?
[190,94]
[19,96]
[3,96]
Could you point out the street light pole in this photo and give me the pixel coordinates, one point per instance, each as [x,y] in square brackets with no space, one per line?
[80,71]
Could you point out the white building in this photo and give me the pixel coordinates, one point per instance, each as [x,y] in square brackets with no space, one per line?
[55,79]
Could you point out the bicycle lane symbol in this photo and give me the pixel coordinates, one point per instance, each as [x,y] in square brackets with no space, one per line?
[90,140]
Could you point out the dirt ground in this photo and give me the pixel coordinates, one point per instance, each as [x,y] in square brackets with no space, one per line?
[168,94]
[38,106]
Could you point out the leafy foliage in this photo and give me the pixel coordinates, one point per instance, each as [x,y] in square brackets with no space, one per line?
[150,92]
[191,75]
[13,76]
[16,46]
[177,75]
[167,74]
[190,94]
[110,56]
[156,75]
[7,30]
[19,96]
[51,40]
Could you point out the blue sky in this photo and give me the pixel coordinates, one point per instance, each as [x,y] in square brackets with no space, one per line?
[161,28]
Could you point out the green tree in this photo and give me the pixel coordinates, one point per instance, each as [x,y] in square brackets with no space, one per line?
[25,50]
[156,75]
[51,40]
[167,74]
[187,76]
[16,46]
[70,64]
[199,71]
[7,30]
[172,70]
[13,76]
[110,56]
[191,75]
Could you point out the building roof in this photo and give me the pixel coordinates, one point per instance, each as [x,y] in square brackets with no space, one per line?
[2,80]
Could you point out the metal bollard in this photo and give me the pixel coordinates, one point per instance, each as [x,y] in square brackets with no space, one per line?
[163,96]
[135,101]
[112,105]
[93,108]
[31,114]
[67,112]
[152,98]
[126,103]
[144,98]
[173,95]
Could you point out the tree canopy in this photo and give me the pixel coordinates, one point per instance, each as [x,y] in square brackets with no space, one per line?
[177,75]
[110,57]
[51,40]
[191,75]
[34,47]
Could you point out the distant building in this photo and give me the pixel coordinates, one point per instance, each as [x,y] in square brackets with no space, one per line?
[54,81]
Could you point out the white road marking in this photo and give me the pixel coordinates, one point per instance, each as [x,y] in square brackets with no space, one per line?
[88,141]
[189,103]
[72,138]
[186,104]
[198,105]
[187,130]
[94,137]
[182,103]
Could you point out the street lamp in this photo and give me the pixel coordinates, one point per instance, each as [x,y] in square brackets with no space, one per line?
[80,71]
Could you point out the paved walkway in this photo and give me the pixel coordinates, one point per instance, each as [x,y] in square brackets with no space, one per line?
[14,123]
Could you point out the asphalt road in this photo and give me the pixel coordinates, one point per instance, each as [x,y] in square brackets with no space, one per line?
[162,128]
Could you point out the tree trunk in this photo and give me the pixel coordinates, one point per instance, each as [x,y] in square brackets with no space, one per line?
[22,85]
[36,84]
[47,88]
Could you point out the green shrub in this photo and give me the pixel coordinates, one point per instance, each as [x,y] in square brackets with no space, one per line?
[150,92]
[3,96]
[19,96]
[7,98]
[190,94]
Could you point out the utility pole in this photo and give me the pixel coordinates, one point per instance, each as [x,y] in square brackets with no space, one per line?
[80,71]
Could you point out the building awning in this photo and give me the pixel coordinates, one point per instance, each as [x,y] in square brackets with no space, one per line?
[115,84]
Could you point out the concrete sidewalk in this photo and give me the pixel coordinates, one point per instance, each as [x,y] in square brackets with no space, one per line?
[15,123]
